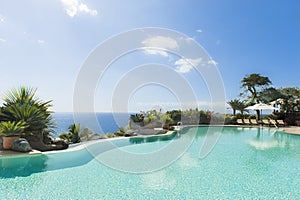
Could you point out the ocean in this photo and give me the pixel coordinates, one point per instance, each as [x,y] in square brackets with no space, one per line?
[105,122]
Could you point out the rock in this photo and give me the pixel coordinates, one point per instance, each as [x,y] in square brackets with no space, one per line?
[171,128]
[21,145]
[47,139]
[130,133]
[160,132]
[60,144]
[37,142]
[165,126]
[150,132]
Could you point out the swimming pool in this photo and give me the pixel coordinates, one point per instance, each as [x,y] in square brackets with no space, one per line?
[245,163]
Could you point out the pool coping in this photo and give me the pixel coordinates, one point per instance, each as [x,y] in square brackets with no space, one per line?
[76,147]
[295,130]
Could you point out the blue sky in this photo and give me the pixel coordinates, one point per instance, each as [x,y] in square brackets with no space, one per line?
[43,44]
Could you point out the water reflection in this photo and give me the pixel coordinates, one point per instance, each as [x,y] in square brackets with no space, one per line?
[263,142]
[267,138]
[155,138]
[11,167]
[16,166]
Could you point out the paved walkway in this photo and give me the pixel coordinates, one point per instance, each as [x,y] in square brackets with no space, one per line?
[14,153]
[291,129]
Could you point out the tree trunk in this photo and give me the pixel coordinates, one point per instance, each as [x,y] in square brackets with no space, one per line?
[257,115]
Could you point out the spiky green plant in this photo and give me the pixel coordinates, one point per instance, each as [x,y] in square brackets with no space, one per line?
[8,128]
[74,130]
[22,105]
[72,136]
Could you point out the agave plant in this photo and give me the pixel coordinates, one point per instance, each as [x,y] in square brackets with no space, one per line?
[8,128]
[22,105]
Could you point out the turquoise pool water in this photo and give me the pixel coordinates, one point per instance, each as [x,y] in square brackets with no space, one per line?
[246,163]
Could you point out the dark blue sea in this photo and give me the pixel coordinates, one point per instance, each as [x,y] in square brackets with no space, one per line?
[103,123]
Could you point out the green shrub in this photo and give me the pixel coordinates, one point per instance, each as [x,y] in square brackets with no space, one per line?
[110,135]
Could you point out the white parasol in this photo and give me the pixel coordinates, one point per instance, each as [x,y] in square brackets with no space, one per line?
[261,106]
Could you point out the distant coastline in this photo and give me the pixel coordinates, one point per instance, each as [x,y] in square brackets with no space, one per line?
[109,122]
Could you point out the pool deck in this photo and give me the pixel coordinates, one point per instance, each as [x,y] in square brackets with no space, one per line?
[291,129]
[287,129]
[14,153]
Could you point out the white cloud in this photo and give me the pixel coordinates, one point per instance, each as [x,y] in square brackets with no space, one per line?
[156,52]
[41,41]
[73,7]
[2,18]
[212,62]
[159,45]
[85,8]
[2,40]
[199,31]
[185,65]
[187,39]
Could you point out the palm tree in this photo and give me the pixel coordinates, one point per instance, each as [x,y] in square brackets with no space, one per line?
[234,105]
[237,104]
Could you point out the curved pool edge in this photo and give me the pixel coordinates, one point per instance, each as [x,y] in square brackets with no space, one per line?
[83,153]
[76,147]
[73,147]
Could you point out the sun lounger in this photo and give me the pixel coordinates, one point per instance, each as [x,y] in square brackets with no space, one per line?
[239,121]
[266,122]
[247,121]
[253,122]
[273,123]
[280,122]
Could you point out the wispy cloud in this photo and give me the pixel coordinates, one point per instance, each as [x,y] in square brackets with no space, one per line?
[74,7]
[1,18]
[212,62]
[159,45]
[2,40]
[41,41]
[199,30]
[187,39]
[185,65]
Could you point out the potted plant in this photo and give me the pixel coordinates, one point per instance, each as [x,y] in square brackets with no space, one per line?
[11,131]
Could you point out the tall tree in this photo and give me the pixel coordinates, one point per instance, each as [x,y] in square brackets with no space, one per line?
[291,99]
[253,84]
[270,94]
